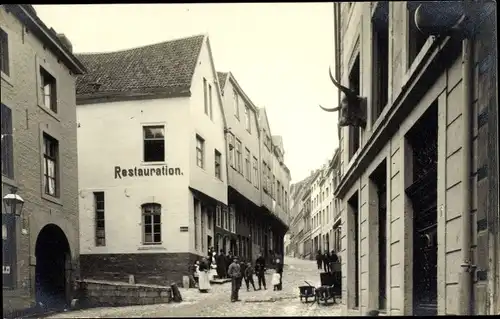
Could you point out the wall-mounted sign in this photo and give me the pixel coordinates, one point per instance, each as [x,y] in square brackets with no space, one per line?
[121,172]
[6,270]
[184,229]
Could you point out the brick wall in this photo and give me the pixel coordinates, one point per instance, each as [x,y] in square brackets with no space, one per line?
[21,94]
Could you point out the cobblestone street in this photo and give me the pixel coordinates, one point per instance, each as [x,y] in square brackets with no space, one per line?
[217,301]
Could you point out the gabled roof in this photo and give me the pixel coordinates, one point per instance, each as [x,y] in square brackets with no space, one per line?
[28,16]
[161,68]
[222,76]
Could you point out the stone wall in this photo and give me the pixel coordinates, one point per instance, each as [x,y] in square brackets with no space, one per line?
[96,293]
[147,268]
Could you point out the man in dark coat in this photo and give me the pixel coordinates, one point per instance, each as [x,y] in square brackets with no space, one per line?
[319,259]
[260,270]
[326,261]
[221,265]
[229,260]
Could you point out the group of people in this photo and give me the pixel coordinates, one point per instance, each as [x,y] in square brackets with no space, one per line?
[237,269]
[325,260]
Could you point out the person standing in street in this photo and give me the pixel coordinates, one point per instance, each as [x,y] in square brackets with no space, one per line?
[221,265]
[319,259]
[248,275]
[279,271]
[234,272]
[326,261]
[260,270]
[203,279]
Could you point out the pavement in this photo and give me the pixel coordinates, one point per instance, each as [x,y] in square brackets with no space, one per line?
[217,301]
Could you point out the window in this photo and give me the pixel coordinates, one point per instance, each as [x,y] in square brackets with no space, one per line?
[269,180]
[205,97]
[226,219]
[248,119]
[210,220]
[273,190]
[239,159]
[4,54]
[7,143]
[151,221]
[256,172]
[354,132]
[218,159]
[264,174]
[154,143]
[231,150]
[49,90]
[210,101]
[218,216]
[286,199]
[278,192]
[248,168]
[283,195]
[416,39]
[380,27]
[236,105]
[100,233]
[200,151]
[232,220]
[50,165]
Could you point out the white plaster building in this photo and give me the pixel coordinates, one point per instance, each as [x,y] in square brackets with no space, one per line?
[152,158]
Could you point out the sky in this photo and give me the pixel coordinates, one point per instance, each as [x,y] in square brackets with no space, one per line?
[278,52]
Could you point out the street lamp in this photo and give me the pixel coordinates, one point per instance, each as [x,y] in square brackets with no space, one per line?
[13,203]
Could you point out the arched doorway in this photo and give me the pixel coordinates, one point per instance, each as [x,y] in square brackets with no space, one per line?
[327,242]
[52,272]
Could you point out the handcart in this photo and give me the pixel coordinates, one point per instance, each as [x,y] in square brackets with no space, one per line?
[307,292]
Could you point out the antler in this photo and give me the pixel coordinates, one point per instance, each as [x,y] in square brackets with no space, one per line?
[334,109]
[342,88]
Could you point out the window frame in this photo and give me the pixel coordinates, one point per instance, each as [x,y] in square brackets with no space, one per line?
[7,142]
[4,35]
[248,165]
[218,216]
[47,79]
[156,211]
[54,158]
[97,211]
[256,172]
[217,164]
[144,139]
[210,102]
[239,155]
[236,104]
[205,97]
[248,122]
[201,151]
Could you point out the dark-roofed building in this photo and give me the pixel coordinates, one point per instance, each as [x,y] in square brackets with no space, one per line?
[151,159]
[39,161]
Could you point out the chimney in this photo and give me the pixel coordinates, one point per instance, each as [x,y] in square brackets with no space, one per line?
[65,41]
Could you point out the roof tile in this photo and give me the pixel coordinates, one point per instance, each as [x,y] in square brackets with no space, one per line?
[166,67]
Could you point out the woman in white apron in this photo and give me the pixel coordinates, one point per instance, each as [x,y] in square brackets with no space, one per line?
[204,281]
[213,268]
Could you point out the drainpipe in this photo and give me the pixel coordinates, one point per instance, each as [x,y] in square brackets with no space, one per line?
[467,268]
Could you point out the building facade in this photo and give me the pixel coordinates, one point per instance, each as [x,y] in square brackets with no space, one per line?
[149,204]
[243,170]
[419,171]
[39,158]
[305,241]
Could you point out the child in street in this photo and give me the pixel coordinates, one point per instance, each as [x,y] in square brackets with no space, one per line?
[249,271]
[275,281]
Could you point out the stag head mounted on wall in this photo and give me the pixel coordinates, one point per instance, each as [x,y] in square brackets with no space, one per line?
[352,106]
